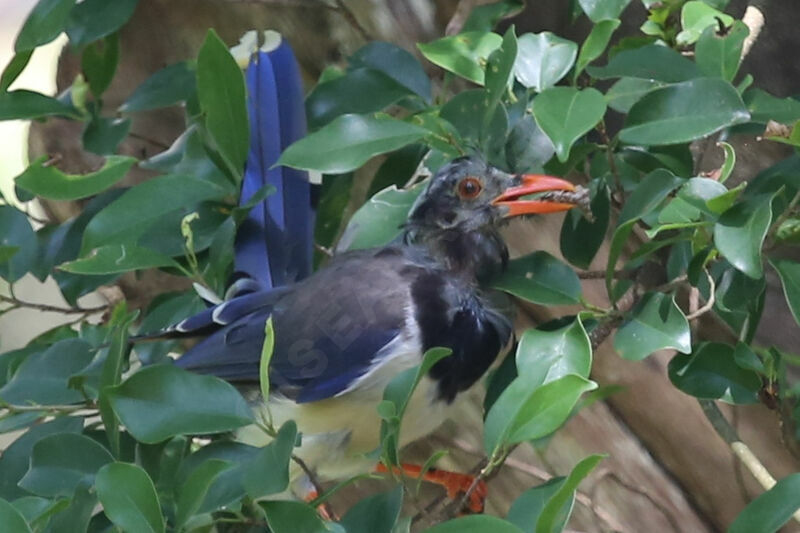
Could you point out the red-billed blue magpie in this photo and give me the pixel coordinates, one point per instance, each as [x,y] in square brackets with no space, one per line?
[343,332]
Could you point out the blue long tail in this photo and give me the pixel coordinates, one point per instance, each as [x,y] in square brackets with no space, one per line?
[274,244]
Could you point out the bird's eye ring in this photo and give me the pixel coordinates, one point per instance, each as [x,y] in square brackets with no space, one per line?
[469,188]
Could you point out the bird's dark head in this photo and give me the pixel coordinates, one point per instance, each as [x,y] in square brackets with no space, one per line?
[467,200]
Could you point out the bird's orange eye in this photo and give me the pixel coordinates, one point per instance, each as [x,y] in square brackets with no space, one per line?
[469,188]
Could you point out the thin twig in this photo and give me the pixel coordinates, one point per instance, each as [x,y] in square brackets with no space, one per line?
[53,308]
[739,448]
[312,478]
[460,15]
[147,139]
[601,274]
[641,492]
[350,17]
[773,229]
[33,408]
[709,303]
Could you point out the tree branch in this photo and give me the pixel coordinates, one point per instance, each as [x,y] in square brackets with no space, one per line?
[351,19]
[53,308]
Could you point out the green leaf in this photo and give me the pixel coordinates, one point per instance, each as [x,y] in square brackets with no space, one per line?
[627,91]
[221,92]
[395,62]
[696,16]
[168,86]
[91,20]
[552,514]
[528,148]
[379,220]
[334,98]
[99,63]
[14,69]
[683,112]
[595,43]
[730,161]
[566,113]
[11,519]
[485,17]
[24,105]
[462,54]
[499,72]
[488,131]
[740,231]
[42,377]
[16,233]
[475,524]
[581,239]
[293,517]
[771,510]
[764,107]
[128,217]
[543,59]
[540,278]
[711,372]
[603,10]
[655,324]
[789,272]
[651,62]
[44,23]
[527,508]
[77,514]
[273,458]
[116,258]
[266,356]
[129,498]
[544,356]
[375,514]
[186,403]
[525,412]
[60,462]
[720,55]
[103,135]
[49,182]
[348,142]
[193,491]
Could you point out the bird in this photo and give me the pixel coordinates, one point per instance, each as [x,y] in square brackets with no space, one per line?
[342,333]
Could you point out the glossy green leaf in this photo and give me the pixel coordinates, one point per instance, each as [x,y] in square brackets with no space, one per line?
[485,17]
[711,372]
[499,72]
[720,55]
[334,98]
[60,462]
[540,278]
[116,258]
[186,403]
[696,16]
[462,54]
[99,63]
[730,161]
[22,104]
[528,148]
[566,113]
[527,508]
[543,59]
[656,323]
[16,233]
[128,217]
[273,458]
[526,412]
[193,491]
[602,10]
[348,142]
[789,272]
[266,357]
[651,62]
[395,62]
[103,135]
[580,238]
[129,498]
[375,514]
[740,231]
[379,220]
[44,23]
[475,524]
[552,514]
[683,112]
[77,514]
[771,510]
[91,20]
[764,107]
[42,377]
[168,86]
[49,182]
[544,356]
[293,517]
[221,92]
[595,43]
[470,112]
[11,519]
[627,91]
[14,69]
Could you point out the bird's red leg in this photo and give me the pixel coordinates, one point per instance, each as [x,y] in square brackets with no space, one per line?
[324,510]
[453,482]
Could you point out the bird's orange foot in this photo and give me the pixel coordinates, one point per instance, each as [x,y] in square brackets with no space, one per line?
[324,509]
[455,483]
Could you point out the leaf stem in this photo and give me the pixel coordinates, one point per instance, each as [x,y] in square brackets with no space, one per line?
[53,308]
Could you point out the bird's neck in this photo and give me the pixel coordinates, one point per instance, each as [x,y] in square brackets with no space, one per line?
[477,254]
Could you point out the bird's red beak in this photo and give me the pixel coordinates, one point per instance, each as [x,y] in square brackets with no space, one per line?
[531,184]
